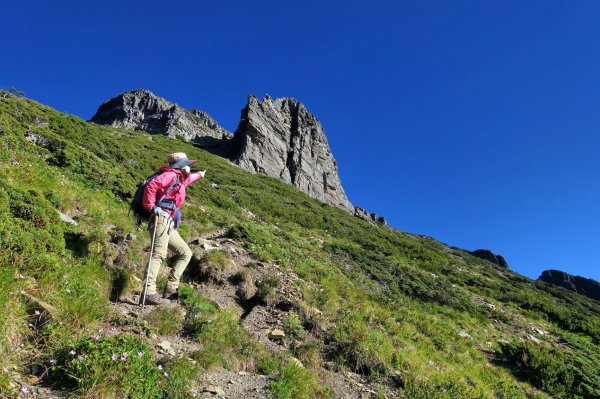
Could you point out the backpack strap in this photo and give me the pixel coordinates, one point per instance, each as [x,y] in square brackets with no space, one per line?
[168,190]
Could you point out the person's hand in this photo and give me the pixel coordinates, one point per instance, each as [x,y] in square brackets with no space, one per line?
[158,211]
[202,173]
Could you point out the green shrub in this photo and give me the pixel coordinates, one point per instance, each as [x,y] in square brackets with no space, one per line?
[292,325]
[166,320]
[199,310]
[224,342]
[116,365]
[268,364]
[438,386]
[556,371]
[294,382]
[363,346]
[308,353]
[218,259]
[80,291]
[266,289]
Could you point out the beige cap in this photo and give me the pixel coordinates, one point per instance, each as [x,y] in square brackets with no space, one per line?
[178,160]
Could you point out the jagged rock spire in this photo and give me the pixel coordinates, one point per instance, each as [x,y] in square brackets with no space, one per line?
[282,139]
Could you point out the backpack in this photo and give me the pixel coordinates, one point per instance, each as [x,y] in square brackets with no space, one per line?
[136,206]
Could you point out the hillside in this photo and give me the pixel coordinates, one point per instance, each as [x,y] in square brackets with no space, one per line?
[369,311]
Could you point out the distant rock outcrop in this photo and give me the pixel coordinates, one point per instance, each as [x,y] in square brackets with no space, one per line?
[142,110]
[281,139]
[370,217]
[581,285]
[490,256]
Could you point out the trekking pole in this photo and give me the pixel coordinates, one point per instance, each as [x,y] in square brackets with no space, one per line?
[149,262]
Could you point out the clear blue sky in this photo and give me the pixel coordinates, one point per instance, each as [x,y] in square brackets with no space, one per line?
[475,122]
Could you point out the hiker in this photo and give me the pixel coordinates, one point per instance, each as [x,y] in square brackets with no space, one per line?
[165,213]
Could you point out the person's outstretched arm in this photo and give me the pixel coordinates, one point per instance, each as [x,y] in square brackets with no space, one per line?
[192,177]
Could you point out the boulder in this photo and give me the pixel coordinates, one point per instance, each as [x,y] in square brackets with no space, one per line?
[276,335]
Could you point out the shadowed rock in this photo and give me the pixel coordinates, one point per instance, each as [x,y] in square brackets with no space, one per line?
[490,256]
[581,285]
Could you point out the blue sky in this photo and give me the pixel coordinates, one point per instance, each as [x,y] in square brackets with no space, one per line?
[474,122]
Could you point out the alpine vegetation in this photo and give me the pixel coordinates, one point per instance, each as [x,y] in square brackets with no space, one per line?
[271,290]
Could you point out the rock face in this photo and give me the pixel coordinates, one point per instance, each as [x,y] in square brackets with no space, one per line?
[581,285]
[142,110]
[281,139]
[490,256]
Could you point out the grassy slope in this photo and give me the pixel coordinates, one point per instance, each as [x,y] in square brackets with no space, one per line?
[396,303]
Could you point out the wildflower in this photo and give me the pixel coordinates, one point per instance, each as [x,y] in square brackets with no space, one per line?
[21,276]
[4,369]
[114,356]
[72,353]
[52,360]
[24,389]
[123,358]
[80,358]
[125,354]
[160,367]
[22,292]
[140,354]
[166,374]
[10,292]
[68,290]
[30,325]
[37,312]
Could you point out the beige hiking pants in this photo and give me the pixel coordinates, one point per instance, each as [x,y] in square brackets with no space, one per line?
[167,238]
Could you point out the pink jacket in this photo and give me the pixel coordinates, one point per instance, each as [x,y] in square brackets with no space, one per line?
[157,187]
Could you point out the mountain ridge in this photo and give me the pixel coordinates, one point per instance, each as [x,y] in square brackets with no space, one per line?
[581,285]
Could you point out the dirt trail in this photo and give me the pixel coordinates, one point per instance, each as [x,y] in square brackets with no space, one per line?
[234,287]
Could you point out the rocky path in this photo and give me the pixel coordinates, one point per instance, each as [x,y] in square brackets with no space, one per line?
[235,287]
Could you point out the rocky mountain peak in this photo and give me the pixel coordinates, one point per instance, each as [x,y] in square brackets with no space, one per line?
[143,110]
[282,139]
[276,137]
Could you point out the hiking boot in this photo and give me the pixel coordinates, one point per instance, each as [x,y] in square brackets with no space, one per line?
[171,294]
[155,299]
